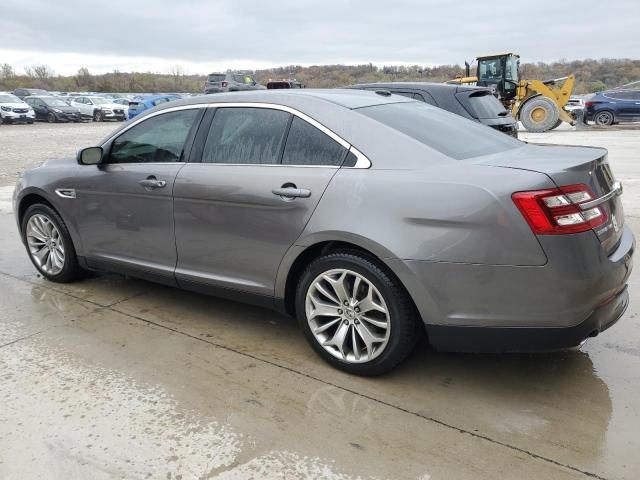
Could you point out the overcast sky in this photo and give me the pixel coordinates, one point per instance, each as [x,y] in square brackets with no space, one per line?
[207,35]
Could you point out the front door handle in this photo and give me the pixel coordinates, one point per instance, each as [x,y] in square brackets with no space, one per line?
[291,192]
[152,182]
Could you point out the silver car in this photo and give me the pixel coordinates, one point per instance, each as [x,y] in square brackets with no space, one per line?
[373,219]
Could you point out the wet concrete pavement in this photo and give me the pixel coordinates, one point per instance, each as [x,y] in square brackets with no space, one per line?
[119,378]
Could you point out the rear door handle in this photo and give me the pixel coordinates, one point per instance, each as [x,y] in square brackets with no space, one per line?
[151,183]
[291,192]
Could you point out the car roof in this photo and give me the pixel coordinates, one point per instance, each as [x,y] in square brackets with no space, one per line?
[427,86]
[346,98]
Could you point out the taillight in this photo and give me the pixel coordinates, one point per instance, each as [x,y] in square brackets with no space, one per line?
[557,211]
[224,84]
[589,104]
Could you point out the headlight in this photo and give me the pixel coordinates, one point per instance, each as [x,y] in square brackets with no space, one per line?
[55,110]
[6,109]
[106,110]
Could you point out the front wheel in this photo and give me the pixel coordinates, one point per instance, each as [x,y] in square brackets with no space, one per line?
[51,118]
[97,116]
[356,314]
[49,244]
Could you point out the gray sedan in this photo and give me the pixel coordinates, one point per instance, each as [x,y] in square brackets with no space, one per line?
[373,219]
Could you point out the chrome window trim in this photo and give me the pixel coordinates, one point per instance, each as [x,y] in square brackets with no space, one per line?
[362,163]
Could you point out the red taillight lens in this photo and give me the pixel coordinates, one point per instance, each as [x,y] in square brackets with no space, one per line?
[224,84]
[557,211]
[588,104]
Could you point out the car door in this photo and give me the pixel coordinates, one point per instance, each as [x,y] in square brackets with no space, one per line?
[79,103]
[124,206]
[38,107]
[256,177]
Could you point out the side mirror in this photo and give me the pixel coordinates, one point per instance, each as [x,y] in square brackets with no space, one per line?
[90,156]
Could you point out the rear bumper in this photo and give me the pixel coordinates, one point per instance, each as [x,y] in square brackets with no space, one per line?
[580,290]
[492,339]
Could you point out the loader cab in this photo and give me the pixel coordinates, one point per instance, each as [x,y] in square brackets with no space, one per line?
[500,72]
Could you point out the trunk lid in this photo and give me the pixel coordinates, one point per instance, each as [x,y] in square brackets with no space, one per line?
[568,165]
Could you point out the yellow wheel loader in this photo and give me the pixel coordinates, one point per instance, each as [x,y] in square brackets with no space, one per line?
[538,104]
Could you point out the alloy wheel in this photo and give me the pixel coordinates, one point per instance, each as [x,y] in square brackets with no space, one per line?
[45,244]
[347,315]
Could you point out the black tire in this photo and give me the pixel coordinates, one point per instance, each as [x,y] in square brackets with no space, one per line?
[604,118]
[97,116]
[405,325]
[51,118]
[30,122]
[539,114]
[71,270]
[558,123]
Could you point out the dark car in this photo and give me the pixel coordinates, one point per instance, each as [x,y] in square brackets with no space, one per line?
[230,82]
[279,84]
[21,93]
[53,109]
[373,218]
[475,103]
[614,106]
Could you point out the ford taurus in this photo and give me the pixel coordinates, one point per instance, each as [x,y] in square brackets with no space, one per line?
[374,219]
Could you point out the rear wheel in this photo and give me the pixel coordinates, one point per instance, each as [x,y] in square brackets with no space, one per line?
[355,314]
[539,114]
[604,118]
[49,244]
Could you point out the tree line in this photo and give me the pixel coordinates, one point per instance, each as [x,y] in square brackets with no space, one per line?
[591,76]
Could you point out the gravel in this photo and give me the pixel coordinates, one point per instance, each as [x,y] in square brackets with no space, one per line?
[26,146]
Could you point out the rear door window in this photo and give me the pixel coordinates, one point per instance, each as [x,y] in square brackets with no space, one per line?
[307,145]
[246,136]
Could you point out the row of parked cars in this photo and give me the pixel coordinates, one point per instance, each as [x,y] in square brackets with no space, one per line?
[25,105]
[477,103]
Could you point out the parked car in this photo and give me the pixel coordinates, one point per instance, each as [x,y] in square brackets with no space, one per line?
[14,110]
[21,93]
[230,82]
[412,220]
[122,101]
[141,103]
[614,106]
[475,103]
[574,104]
[280,84]
[100,108]
[53,109]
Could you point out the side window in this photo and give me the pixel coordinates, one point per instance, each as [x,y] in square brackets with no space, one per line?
[426,98]
[159,139]
[306,145]
[246,136]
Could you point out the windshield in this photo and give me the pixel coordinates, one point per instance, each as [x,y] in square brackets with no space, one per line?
[54,102]
[445,132]
[6,98]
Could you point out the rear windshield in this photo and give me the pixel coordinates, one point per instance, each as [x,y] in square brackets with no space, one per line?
[215,77]
[485,105]
[445,132]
